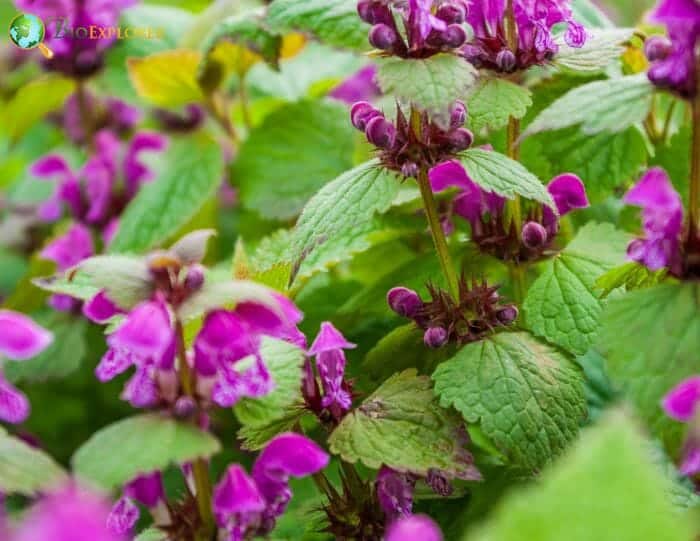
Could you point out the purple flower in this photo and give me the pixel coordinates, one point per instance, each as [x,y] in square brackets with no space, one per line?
[675,66]
[113,114]
[67,191]
[100,308]
[534,21]
[135,173]
[330,361]
[360,86]
[72,514]
[20,339]
[246,505]
[147,489]
[414,528]
[662,215]
[71,248]
[681,403]
[395,493]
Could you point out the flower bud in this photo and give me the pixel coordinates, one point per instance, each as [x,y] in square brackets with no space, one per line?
[435,337]
[381,133]
[454,36]
[383,37]
[534,235]
[507,314]
[458,116]
[506,60]
[404,301]
[361,113]
[439,482]
[409,170]
[184,407]
[461,139]
[365,11]
[195,278]
[453,13]
[657,48]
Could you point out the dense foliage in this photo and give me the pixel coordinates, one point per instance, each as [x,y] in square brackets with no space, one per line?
[360,270]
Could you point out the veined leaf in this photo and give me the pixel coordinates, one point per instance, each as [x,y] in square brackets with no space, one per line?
[168,78]
[631,275]
[493,101]
[601,48]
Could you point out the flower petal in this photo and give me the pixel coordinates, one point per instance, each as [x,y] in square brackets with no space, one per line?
[681,402]
[20,337]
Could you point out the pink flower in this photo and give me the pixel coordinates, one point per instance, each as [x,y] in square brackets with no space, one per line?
[681,403]
[414,528]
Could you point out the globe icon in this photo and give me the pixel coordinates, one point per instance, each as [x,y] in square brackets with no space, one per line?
[27,31]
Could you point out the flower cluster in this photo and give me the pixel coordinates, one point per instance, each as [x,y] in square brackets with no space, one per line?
[478,311]
[427,26]
[534,22]
[405,148]
[75,55]
[20,339]
[485,213]
[103,114]
[662,218]
[674,62]
[682,403]
[246,505]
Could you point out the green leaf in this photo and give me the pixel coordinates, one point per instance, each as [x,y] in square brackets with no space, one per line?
[497,173]
[590,15]
[225,294]
[32,102]
[291,155]
[334,22]
[606,489]
[280,408]
[343,206]
[430,83]
[563,305]
[191,172]
[604,162]
[152,534]
[611,105]
[493,101]
[526,396]
[26,470]
[631,276]
[402,426]
[63,356]
[673,157]
[168,78]
[602,47]
[140,444]
[651,338]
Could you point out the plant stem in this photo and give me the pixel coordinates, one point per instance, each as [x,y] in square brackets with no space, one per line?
[669,119]
[511,28]
[84,111]
[200,468]
[437,233]
[694,195]
[245,104]
[222,118]
[517,275]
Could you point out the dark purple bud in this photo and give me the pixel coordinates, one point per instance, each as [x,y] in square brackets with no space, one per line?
[534,235]
[383,37]
[195,278]
[458,116]
[506,60]
[657,48]
[453,13]
[361,113]
[507,314]
[184,407]
[365,10]
[381,133]
[373,12]
[404,301]
[409,170]
[435,337]
[440,484]
[454,36]
[461,139]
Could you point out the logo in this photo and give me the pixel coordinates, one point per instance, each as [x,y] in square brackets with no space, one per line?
[27,32]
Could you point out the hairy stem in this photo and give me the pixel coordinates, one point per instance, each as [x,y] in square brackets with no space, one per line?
[84,111]
[437,233]
[694,196]
[245,104]
[511,28]
[200,468]
[517,276]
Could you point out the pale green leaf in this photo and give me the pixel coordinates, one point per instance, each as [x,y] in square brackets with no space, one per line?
[432,83]
[291,155]
[494,101]
[225,294]
[140,444]
[631,276]
[26,470]
[152,534]
[605,489]
[402,426]
[191,172]
[590,15]
[602,47]
[167,78]
[526,396]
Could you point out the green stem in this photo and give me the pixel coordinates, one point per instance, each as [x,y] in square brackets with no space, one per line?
[200,468]
[437,233]
[222,118]
[694,195]
[245,104]
[84,111]
[667,123]
[517,276]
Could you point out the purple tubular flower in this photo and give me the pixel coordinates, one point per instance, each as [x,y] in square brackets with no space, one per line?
[414,528]
[135,173]
[662,214]
[405,302]
[71,248]
[236,496]
[67,190]
[123,517]
[360,86]
[330,361]
[146,332]
[681,403]
[568,193]
[534,235]
[395,493]
[383,37]
[146,489]
[420,22]
[20,337]
[361,113]
[72,514]
[380,132]
[100,309]
[14,405]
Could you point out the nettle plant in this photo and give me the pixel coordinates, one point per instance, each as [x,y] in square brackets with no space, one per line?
[376,269]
